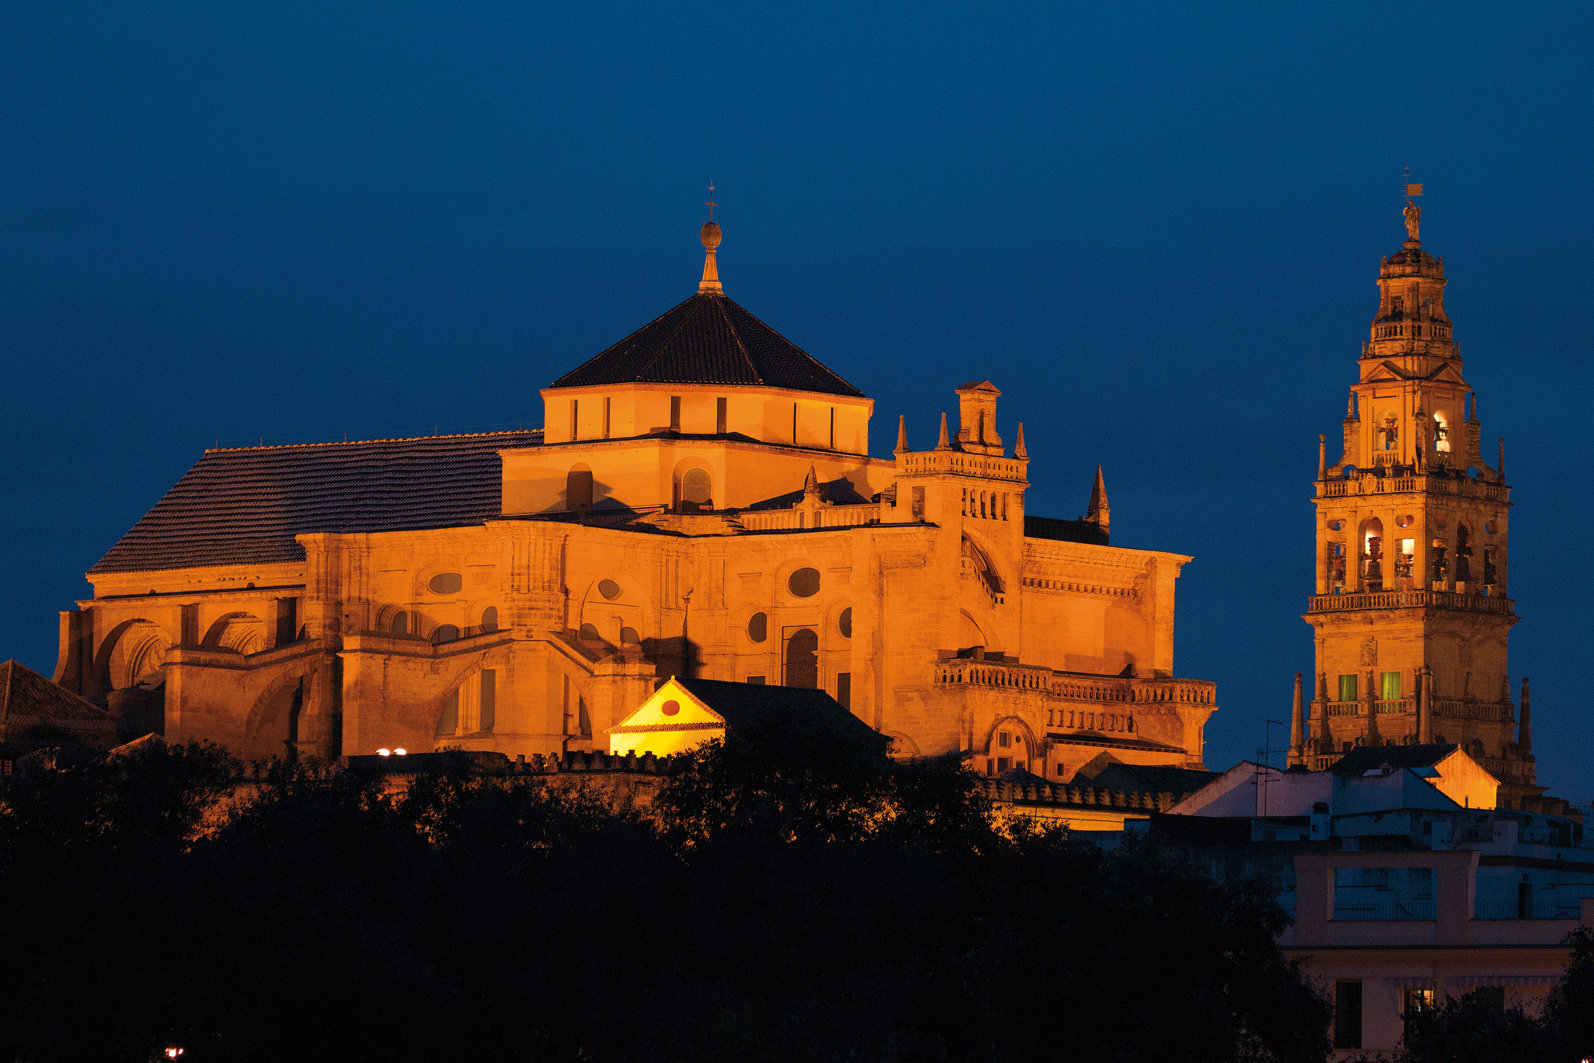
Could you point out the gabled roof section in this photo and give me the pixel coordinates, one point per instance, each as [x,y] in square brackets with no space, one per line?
[246,505]
[708,339]
[33,708]
[1363,759]
[744,704]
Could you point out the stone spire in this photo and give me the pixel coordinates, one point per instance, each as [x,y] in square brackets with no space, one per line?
[943,441]
[1322,457]
[710,284]
[1019,449]
[1297,724]
[811,486]
[902,434]
[1098,513]
[1525,723]
[1425,704]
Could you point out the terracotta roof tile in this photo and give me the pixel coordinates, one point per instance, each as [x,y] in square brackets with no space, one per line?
[31,707]
[245,505]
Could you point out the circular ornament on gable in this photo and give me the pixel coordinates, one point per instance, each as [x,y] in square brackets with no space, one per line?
[804,583]
[671,707]
[609,589]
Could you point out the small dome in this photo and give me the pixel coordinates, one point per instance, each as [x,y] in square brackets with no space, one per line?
[711,235]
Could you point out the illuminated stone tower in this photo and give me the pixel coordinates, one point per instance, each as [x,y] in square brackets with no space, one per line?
[1411,612]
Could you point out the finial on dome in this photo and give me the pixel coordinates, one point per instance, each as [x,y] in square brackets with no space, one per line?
[711,240]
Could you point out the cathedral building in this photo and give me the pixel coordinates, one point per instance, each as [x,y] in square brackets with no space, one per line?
[1411,611]
[701,502]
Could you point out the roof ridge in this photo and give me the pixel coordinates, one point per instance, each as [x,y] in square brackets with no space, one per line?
[390,439]
[736,334]
[675,332]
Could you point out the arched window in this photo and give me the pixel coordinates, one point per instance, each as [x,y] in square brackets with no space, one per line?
[696,491]
[578,489]
[1463,556]
[802,659]
[490,618]
[1372,554]
[400,624]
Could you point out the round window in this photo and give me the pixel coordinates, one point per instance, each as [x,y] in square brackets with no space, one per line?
[445,583]
[804,583]
[671,707]
[845,623]
[758,627]
[609,589]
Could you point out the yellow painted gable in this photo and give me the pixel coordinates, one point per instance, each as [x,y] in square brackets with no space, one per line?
[671,721]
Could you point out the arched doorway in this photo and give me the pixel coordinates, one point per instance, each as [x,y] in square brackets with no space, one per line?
[802,658]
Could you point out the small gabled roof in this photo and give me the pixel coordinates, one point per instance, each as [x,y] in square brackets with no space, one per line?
[709,340]
[245,505]
[1364,759]
[742,703]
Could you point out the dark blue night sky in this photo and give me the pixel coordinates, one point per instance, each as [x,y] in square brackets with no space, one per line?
[1155,226]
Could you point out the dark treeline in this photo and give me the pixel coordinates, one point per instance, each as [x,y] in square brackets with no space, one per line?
[787,899]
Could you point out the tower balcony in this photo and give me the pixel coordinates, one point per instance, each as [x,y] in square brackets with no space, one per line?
[1443,709]
[1411,599]
[1371,483]
[1412,330]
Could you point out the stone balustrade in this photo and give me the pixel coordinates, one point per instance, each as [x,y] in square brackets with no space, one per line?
[1409,599]
[852,516]
[988,466]
[1076,686]
[1370,483]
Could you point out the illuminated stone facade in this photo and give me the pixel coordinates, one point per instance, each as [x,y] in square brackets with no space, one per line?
[1411,610]
[701,502]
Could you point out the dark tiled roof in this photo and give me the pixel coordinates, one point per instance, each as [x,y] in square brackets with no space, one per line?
[1151,778]
[246,505]
[743,703]
[708,339]
[1068,531]
[1370,758]
[32,707]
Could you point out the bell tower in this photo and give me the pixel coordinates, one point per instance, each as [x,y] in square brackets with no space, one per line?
[1410,612]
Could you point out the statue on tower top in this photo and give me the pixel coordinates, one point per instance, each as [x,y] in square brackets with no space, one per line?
[1413,212]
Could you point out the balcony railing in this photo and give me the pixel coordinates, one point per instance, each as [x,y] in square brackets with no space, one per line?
[1076,686]
[1369,483]
[1412,599]
[1386,910]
